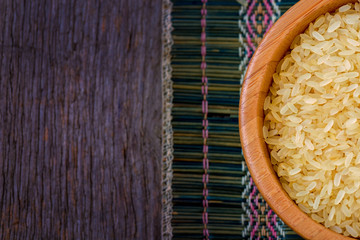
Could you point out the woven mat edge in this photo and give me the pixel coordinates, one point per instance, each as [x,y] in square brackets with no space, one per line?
[167,131]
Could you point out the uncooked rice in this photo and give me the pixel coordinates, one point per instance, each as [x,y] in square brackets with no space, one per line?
[312,125]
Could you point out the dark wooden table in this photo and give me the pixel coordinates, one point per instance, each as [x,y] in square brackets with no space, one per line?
[80,119]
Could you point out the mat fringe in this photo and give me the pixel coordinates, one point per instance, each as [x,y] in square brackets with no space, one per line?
[167,134]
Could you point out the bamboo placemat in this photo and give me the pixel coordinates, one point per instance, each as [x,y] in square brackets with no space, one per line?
[213,195]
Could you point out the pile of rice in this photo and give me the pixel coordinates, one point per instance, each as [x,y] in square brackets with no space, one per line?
[312,125]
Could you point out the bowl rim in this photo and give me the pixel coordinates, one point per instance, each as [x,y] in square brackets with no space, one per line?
[253,92]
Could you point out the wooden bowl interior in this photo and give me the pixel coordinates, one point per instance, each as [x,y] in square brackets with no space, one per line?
[254,90]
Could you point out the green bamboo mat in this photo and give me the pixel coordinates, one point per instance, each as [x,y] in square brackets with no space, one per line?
[234,208]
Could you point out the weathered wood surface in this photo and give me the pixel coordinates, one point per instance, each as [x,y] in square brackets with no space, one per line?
[80,119]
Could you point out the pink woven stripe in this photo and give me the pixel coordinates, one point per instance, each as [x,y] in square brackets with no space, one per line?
[250,27]
[269,223]
[205,132]
[266,19]
[268,7]
[251,7]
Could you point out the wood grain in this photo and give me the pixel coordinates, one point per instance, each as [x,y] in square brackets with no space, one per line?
[80,119]
[254,90]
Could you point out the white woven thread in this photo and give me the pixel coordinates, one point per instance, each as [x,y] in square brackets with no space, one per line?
[167,134]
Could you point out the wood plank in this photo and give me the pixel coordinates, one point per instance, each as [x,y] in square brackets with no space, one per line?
[80,119]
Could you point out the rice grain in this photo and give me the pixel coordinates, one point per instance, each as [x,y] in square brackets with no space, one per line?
[311,120]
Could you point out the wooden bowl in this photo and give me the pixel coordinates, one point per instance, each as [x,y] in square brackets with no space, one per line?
[254,90]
